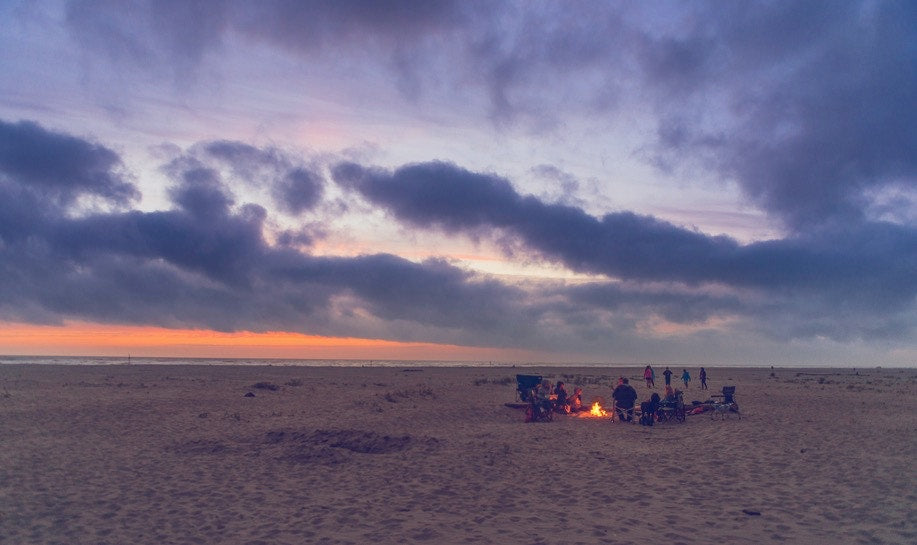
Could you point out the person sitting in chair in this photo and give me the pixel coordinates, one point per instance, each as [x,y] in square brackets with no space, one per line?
[562,403]
[625,396]
[543,401]
[576,400]
[648,410]
[669,393]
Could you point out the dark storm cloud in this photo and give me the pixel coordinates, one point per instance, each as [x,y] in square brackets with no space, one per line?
[294,187]
[205,263]
[200,191]
[821,96]
[60,167]
[435,194]
[868,265]
[453,199]
[431,294]
[299,190]
[676,306]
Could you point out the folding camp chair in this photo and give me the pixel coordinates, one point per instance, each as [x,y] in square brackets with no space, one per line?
[526,386]
[728,405]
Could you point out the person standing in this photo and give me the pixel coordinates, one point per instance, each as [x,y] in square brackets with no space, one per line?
[685,377]
[703,378]
[648,377]
[668,376]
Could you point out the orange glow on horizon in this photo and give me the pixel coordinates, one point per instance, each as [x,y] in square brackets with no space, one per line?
[87,339]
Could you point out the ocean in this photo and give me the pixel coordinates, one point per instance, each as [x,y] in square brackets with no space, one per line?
[98,360]
[121,360]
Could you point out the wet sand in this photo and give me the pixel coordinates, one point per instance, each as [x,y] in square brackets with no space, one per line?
[179,454]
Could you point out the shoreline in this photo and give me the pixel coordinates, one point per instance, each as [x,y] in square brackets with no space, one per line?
[358,363]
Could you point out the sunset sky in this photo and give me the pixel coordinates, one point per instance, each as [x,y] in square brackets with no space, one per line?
[672,182]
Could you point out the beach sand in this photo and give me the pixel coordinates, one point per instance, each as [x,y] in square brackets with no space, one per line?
[178,454]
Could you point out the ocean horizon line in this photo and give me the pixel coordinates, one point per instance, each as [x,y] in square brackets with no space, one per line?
[414,363]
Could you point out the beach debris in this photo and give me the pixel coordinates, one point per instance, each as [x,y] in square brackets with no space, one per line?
[266,386]
[249,394]
[751,513]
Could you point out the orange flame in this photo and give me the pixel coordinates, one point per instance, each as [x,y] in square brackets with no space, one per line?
[597,410]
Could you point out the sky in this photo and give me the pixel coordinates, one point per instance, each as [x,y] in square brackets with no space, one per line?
[719,183]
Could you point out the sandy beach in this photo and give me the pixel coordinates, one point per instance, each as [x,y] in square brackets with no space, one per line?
[180,454]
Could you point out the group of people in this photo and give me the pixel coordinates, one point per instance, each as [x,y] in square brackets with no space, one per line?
[625,398]
[548,398]
[556,398]
[649,375]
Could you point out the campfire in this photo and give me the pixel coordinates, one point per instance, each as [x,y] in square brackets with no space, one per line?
[595,411]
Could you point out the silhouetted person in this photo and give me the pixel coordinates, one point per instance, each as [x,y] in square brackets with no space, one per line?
[625,396]
[560,404]
[648,410]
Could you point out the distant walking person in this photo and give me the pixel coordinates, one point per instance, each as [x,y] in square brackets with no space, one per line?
[685,377]
[668,376]
[649,377]
[703,378]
